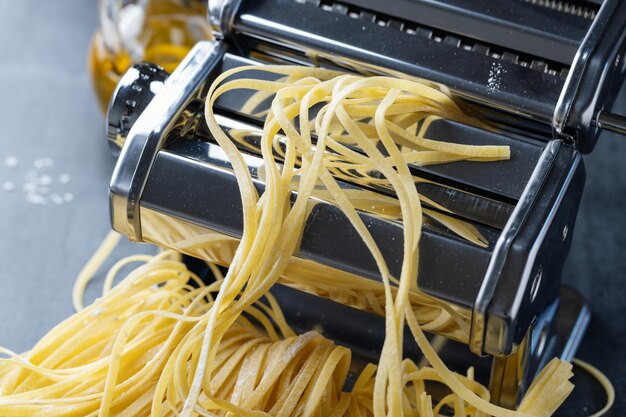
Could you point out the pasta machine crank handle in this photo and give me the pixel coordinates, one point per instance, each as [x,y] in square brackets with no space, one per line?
[612,122]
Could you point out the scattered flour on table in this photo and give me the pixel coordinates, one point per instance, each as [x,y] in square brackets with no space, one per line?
[11,161]
[39,180]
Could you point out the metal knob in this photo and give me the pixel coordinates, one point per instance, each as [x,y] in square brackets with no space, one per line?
[132,95]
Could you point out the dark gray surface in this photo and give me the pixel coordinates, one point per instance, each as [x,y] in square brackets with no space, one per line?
[597,261]
[47,110]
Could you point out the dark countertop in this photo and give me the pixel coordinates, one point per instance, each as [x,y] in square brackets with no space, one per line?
[48,113]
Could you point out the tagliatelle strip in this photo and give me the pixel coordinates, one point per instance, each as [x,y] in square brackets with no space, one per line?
[90,268]
[604,381]
[142,321]
[163,343]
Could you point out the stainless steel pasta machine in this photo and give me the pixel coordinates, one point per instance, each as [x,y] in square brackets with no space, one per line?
[546,74]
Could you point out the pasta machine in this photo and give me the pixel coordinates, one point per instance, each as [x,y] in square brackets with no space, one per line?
[545,74]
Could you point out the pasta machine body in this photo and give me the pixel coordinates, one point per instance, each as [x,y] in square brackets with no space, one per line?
[549,94]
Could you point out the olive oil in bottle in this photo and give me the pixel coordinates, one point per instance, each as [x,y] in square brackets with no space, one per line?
[158,31]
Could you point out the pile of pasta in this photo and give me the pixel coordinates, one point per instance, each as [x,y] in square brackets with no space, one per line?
[164,343]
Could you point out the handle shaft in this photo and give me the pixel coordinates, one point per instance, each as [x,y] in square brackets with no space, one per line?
[613,122]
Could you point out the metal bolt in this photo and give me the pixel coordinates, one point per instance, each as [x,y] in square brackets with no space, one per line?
[565,231]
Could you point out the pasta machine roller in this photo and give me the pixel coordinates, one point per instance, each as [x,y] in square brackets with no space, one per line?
[544,73]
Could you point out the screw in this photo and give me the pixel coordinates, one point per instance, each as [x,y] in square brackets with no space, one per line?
[565,231]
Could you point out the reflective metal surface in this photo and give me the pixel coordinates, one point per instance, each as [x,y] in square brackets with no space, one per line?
[501,249]
[132,95]
[369,37]
[533,244]
[221,14]
[557,333]
[147,135]
[594,80]
[451,268]
[613,122]
[354,41]
[501,180]
[205,242]
[471,206]
[510,24]
[530,281]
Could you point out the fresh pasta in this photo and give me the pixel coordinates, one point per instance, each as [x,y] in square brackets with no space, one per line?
[164,343]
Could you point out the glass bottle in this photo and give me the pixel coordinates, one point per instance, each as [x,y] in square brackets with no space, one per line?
[158,31]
